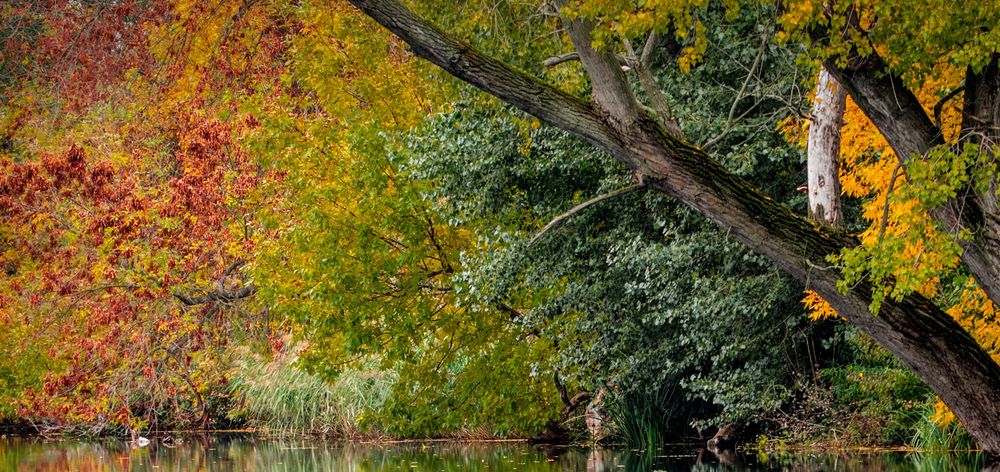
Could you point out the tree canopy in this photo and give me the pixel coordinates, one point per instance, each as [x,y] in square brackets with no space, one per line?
[186,187]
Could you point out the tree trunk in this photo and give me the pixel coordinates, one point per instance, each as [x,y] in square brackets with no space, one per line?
[823,151]
[981,126]
[916,331]
[899,116]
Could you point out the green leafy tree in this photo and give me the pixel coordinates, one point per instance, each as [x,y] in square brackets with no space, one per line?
[846,37]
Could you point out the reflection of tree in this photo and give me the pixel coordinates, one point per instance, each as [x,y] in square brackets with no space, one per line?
[595,461]
[243,453]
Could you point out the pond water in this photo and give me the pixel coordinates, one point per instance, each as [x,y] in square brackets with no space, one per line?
[247,453]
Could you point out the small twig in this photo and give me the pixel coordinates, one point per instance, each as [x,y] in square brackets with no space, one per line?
[888,192]
[583,206]
[939,106]
[731,117]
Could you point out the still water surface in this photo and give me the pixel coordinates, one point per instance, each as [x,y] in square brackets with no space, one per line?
[242,453]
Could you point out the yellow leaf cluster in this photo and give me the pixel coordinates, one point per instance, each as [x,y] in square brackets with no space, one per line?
[617,19]
[901,238]
[819,309]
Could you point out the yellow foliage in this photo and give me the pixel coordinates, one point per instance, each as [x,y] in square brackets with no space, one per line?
[819,309]
[976,313]
[942,415]
[868,165]
[797,14]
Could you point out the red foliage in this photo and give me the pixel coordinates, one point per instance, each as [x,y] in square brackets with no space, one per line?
[105,242]
[80,48]
[150,234]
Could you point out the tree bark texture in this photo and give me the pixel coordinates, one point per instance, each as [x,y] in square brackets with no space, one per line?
[916,331]
[981,125]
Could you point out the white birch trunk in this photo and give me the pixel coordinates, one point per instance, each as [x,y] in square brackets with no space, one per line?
[823,151]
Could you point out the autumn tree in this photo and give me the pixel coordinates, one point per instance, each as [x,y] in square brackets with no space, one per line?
[362,266]
[128,205]
[851,46]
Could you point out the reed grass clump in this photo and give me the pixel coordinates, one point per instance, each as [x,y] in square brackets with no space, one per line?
[280,398]
[646,419]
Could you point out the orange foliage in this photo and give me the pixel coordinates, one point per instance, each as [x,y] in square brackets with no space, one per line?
[116,208]
[819,309]
[867,167]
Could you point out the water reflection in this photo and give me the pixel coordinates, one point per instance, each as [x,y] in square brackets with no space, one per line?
[243,453]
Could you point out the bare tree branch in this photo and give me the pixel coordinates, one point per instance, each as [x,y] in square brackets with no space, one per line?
[583,206]
[553,61]
[648,83]
[939,106]
[218,295]
[731,117]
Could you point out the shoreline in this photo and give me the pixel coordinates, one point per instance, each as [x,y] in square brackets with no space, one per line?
[746,448]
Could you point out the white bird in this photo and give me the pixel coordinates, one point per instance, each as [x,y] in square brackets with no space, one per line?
[142,442]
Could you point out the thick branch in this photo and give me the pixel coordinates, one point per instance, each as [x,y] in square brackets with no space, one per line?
[563,58]
[648,83]
[611,91]
[553,61]
[647,49]
[501,80]
[916,331]
[981,211]
[888,103]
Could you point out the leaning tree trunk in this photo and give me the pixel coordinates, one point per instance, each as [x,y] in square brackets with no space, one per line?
[916,331]
[823,151]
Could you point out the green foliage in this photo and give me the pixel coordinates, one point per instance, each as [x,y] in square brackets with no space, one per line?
[886,401]
[864,397]
[918,36]
[638,289]
[278,397]
[501,388]
[23,365]
[361,267]
[634,291]
[929,436]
